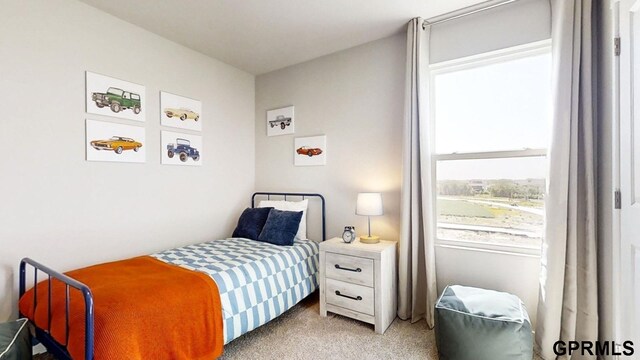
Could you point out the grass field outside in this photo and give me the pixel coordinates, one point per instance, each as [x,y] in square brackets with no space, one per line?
[450,207]
[533,203]
[490,219]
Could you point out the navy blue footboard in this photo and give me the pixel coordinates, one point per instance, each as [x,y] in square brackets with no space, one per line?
[44,334]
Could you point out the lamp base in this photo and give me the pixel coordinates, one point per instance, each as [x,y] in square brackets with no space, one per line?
[370,239]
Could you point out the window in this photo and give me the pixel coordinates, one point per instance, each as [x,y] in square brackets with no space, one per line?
[491,115]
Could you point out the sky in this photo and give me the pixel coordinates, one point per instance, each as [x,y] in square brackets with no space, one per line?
[503,106]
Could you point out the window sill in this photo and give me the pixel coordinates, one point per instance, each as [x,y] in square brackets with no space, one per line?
[526,251]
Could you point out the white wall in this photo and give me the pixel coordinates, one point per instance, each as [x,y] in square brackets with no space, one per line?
[66,212]
[356,98]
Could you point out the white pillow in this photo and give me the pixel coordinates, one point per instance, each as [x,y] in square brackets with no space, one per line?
[291,206]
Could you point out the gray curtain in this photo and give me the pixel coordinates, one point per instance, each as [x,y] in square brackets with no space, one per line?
[568,303]
[417,291]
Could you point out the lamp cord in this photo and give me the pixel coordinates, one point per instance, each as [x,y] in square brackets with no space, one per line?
[369,221]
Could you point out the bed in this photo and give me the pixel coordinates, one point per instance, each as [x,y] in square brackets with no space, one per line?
[253,282]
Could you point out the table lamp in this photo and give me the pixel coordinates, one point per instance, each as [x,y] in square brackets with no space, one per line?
[369,204]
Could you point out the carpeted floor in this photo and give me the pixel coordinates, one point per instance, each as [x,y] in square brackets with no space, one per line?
[301,333]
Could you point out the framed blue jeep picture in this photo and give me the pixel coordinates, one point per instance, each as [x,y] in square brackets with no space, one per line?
[181,149]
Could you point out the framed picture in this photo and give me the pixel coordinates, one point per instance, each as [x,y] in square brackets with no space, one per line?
[114,142]
[113,97]
[310,151]
[180,112]
[181,149]
[280,121]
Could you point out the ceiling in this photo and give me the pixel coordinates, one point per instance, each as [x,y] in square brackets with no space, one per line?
[259,36]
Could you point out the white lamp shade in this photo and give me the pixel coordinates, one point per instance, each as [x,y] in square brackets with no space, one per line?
[369,204]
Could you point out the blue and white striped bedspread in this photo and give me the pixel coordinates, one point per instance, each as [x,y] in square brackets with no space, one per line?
[257,281]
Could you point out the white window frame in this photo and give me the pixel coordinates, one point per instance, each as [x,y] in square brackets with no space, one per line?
[488,58]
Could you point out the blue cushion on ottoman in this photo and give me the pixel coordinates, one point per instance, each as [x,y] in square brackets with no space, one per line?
[478,324]
[15,341]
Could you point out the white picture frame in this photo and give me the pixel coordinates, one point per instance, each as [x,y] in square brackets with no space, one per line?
[180,112]
[310,151]
[280,121]
[109,96]
[181,149]
[107,141]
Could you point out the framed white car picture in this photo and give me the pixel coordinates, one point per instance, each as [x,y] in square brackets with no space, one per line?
[114,97]
[180,112]
[280,121]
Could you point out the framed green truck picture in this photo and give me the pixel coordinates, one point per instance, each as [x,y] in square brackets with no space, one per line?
[114,97]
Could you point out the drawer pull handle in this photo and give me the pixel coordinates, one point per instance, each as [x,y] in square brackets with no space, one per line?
[348,269]
[350,297]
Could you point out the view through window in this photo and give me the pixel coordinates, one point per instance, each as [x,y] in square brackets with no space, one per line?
[491,130]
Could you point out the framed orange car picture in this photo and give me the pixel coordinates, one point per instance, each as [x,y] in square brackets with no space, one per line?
[106,141]
[310,151]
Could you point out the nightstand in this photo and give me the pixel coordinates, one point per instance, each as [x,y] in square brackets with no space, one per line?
[359,281]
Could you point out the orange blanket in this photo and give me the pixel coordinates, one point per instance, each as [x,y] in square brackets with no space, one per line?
[144,309]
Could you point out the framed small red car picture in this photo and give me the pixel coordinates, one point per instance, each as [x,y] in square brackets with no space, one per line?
[310,151]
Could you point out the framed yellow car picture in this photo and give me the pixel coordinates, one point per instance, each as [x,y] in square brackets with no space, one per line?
[106,141]
[180,112]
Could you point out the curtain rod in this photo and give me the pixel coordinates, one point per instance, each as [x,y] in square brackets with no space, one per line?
[469,10]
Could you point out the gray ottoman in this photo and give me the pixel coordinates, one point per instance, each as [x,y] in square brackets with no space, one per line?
[478,324]
[15,341]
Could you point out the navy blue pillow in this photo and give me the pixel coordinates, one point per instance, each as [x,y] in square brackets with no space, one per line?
[281,227]
[251,223]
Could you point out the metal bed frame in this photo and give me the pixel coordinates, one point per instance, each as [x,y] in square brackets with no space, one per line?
[301,195]
[44,335]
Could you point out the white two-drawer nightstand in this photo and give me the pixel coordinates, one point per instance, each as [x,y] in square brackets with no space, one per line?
[359,281]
